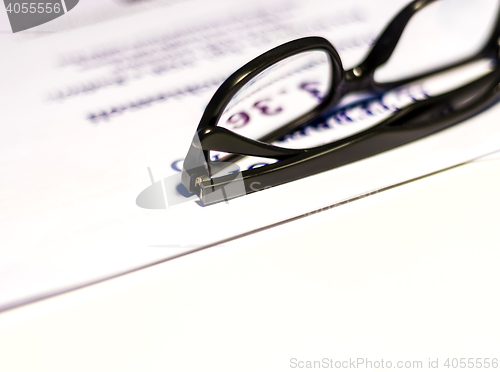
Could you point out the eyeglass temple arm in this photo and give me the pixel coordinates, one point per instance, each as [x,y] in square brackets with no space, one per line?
[360,77]
[224,140]
[198,166]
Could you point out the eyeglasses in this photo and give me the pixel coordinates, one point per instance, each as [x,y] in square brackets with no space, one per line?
[298,83]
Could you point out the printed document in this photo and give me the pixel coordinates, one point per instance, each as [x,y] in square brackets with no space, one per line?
[104,102]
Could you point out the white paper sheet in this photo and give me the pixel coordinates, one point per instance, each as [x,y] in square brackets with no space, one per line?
[87,110]
[410,274]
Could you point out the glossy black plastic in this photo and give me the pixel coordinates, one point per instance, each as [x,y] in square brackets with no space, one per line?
[406,125]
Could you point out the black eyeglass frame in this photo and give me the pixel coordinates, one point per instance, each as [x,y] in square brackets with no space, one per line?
[413,122]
